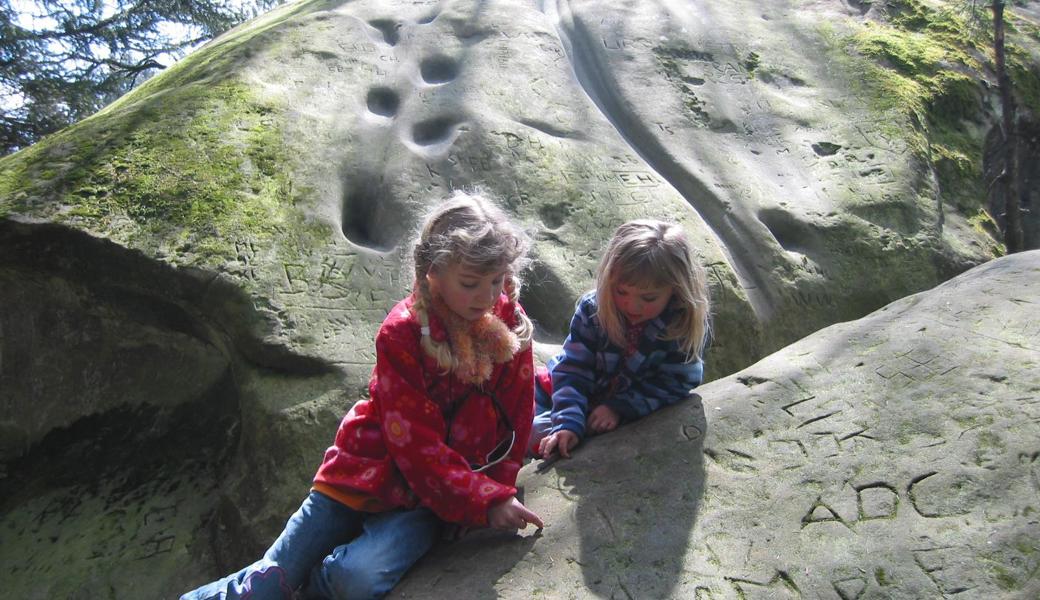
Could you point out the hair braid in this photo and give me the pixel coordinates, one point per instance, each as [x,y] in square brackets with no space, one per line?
[467,228]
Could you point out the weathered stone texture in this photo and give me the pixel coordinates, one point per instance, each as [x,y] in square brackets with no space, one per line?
[891,457]
[190,280]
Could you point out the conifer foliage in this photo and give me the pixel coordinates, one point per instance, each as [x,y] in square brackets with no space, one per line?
[62,60]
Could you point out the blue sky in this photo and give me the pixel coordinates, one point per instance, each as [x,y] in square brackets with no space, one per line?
[31,16]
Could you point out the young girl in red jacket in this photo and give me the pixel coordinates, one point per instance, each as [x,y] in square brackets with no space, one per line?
[441,438]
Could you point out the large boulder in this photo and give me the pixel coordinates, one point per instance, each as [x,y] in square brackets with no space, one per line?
[891,457]
[190,280]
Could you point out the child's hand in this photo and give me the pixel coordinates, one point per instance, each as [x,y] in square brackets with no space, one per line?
[562,441]
[511,514]
[603,419]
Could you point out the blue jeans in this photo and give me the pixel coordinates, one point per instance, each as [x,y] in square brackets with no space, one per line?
[341,553]
[542,424]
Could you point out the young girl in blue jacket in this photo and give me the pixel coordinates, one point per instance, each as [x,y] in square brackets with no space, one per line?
[635,342]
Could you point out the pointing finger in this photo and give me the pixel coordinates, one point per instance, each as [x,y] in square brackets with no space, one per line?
[530,517]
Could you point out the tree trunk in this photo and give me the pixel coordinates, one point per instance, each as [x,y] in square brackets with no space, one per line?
[1010,173]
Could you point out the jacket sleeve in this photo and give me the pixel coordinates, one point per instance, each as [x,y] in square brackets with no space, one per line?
[574,373]
[517,396]
[668,383]
[415,431]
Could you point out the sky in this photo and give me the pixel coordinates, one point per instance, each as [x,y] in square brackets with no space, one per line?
[31,16]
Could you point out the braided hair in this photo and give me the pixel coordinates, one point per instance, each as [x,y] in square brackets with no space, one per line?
[467,228]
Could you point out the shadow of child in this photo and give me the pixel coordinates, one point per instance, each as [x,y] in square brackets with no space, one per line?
[618,519]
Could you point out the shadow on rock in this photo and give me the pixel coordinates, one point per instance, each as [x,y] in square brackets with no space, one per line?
[473,567]
[637,493]
[130,403]
[618,520]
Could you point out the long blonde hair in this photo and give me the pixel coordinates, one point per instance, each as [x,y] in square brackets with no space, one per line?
[467,228]
[655,254]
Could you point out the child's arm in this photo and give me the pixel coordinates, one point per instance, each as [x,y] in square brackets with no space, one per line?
[669,383]
[574,374]
[414,430]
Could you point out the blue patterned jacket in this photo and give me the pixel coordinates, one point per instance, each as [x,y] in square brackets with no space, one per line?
[655,375]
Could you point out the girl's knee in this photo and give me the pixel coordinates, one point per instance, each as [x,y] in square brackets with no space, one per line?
[260,581]
[351,578]
[372,564]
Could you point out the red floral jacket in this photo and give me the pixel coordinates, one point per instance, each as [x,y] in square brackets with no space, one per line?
[394,450]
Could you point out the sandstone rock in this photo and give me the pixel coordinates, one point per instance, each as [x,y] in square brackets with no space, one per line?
[890,457]
[190,280]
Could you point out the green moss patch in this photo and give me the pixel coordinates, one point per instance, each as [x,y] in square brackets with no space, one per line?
[1025,77]
[921,70]
[188,164]
[983,222]
[211,169]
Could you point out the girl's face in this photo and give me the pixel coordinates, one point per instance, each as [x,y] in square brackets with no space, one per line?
[467,292]
[641,303]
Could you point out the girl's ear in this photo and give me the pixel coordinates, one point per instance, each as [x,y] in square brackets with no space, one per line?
[432,282]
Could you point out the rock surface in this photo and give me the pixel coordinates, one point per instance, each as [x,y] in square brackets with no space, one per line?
[897,457]
[190,280]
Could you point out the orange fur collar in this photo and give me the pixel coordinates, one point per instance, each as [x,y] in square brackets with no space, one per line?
[476,345]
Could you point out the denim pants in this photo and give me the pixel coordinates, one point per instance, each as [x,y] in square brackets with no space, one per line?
[341,553]
[542,424]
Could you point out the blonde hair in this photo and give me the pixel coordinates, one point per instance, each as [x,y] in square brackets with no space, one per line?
[467,228]
[655,254]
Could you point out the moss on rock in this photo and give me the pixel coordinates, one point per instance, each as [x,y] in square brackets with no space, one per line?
[185,165]
[207,174]
[923,70]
